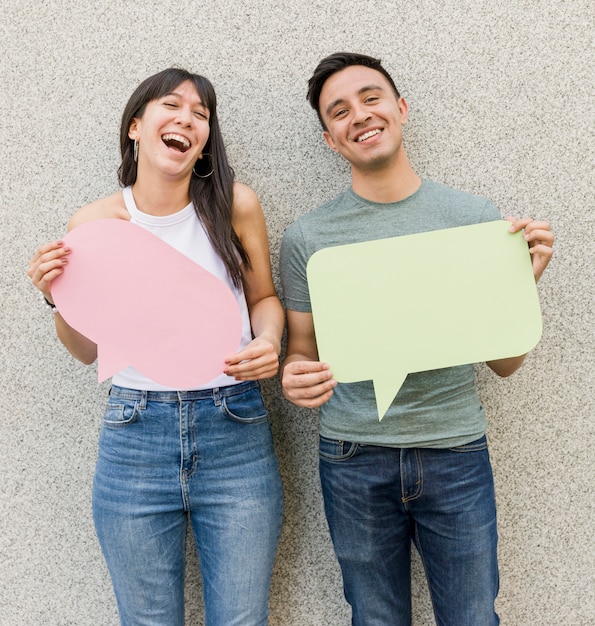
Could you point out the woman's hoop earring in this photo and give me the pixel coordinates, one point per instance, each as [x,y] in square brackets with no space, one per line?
[203,175]
[135,150]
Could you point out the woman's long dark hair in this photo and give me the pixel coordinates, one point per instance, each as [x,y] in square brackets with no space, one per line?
[212,196]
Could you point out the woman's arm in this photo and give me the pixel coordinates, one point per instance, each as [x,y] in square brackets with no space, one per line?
[260,358]
[51,260]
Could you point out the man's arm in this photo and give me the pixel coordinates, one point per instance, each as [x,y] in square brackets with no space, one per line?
[306,381]
[541,240]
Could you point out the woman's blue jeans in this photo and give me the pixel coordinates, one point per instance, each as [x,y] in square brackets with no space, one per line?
[206,458]
[379,500]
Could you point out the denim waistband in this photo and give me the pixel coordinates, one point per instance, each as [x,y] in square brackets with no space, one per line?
[176,396]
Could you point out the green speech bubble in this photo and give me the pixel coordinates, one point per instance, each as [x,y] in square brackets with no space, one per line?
[385,308]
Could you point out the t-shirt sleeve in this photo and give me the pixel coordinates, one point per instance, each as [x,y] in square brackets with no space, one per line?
[490,212]
[293,261]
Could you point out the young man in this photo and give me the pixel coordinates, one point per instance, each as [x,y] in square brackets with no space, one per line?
[422,474]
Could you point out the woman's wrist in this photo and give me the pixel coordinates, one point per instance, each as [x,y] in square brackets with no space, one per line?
[49,304]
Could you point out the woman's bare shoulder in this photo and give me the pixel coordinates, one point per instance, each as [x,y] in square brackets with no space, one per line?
[245,202]
[111,207]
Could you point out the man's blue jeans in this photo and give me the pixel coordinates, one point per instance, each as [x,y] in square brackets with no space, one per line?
[206,458]
[379,500]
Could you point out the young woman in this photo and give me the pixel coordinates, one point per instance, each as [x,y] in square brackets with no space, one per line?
[172,457]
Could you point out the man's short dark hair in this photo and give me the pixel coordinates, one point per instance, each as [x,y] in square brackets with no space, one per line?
[335,63]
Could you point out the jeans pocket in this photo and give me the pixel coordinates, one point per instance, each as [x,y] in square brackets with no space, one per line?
[246,407]
[336,449]
[474,446]
[117,415]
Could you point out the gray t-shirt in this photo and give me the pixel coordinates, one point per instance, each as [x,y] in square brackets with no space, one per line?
[436,409]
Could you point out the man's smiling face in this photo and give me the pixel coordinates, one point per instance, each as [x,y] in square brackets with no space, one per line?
[363,117]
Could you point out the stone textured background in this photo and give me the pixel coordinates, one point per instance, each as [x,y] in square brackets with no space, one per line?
[501,96]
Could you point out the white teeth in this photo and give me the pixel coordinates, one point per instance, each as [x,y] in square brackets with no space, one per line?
[368,135]
[178,138]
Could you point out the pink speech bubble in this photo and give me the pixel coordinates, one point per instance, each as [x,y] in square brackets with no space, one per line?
[146,305]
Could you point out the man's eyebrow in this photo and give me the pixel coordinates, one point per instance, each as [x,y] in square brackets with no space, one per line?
[338,101]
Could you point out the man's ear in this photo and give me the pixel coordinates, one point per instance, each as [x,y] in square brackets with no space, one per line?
[403,110]
[329,140]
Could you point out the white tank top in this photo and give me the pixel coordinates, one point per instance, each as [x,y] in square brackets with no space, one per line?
[185,232]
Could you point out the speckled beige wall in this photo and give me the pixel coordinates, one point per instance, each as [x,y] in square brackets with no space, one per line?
[501,97]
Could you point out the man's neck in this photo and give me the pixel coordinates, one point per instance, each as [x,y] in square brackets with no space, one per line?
[390,184]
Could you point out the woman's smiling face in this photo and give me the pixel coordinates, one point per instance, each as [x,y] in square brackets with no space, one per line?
[172,131]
